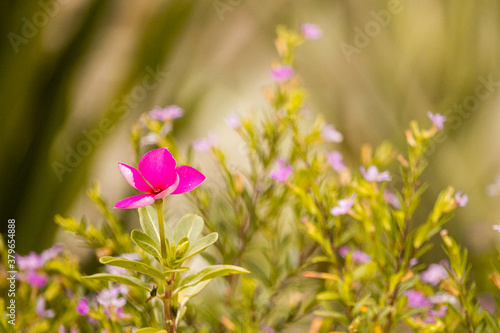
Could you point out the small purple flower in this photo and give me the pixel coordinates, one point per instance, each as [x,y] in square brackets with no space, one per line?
[343,206]
[267,329]
[204,144]
[344,251]
[34,261]
[360,256]
[282,171]
[40,309]
[357,255]
[335,159]
[110,297]
[437,119]
[413,262]
[82,307]
[330,134]
[439,313]
[233,120]
[461,199]
[417,300]
[167,114]
[311,31]
[282,73]
[434,274]
[29,262]
[372,174]
[51,252]
[391,199]
[36,279]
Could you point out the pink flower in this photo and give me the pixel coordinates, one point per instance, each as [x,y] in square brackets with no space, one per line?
[344,251]
[169,113]
[461,199]
[496,227]
[282,73]
[330,134]
[434,274]
[40,309]
[34,261]
[36,279]
[29,262]
[417,300]
[82,307]
[357,255]
[343,206]
[413,262]
[159,177]
[372,174]
[437,119]
[335,160]
[204,144]
[391,199]
[282,171]
[267,329]
[233,120]
[110,297]
[311,31]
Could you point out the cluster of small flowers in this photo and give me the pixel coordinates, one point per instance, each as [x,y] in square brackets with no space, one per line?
[112,301]
[434,274]
[31,266]
[166,116]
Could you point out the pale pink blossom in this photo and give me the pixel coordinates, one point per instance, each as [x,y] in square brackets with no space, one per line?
[281,171]
[335,159]
[311,31]
[437,119]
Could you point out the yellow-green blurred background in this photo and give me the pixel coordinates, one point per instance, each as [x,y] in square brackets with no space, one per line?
[70,66]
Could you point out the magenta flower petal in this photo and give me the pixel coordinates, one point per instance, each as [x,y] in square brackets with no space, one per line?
[158,168]
[82,307]
[282,73]
[189,179]
[136,201]
[311,31]
[134,178]
[169,190]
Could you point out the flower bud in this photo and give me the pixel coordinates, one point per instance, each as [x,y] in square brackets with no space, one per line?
[181,250]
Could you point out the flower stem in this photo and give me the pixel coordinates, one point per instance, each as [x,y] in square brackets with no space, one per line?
[159,211]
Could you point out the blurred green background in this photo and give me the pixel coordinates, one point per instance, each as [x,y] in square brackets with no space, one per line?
[84,70]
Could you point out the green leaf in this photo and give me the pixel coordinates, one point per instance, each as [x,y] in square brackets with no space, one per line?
[149,223]
[150,330]
[170,271]
[208,273]
[128,280]
[190,292]
[201,245]
[145,242]
[189,226]
[132,265]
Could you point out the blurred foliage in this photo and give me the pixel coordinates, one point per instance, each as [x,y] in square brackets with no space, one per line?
[430,56]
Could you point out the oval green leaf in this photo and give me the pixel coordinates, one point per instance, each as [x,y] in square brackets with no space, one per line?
[136,266]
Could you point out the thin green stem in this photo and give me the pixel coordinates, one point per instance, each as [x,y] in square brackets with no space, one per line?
[159,211]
